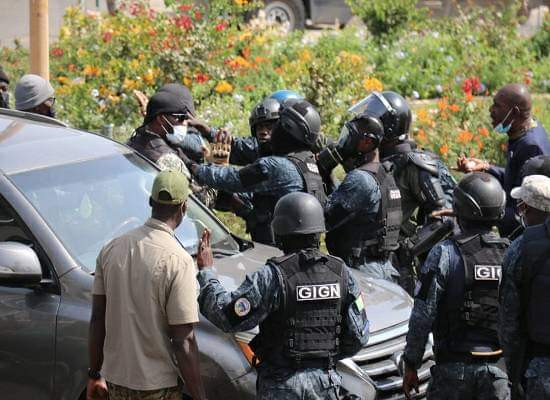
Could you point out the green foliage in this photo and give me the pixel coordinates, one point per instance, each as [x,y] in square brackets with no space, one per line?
[541,40]
[386,18]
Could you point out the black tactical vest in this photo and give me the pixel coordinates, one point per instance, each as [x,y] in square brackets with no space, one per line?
[468,315]
[259,224]
[306,330]
[536,276]
[368,235]
[149,145]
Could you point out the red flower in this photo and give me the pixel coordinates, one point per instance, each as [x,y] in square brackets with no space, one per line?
[249,88]
[185,7]
[201,78]
[184,21]
[471,85]
[198,15]
[57,52]
[107,36]
[220,27]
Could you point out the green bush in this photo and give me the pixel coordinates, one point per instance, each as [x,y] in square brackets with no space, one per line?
[386,18]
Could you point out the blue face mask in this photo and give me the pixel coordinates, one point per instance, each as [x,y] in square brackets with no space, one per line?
[500,128]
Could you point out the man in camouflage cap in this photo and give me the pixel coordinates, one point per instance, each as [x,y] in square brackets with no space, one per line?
[524,321]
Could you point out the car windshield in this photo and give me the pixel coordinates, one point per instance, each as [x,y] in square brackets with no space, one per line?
[91,202]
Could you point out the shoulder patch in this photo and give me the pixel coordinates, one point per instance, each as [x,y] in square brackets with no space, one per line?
[359,304]
[242,307]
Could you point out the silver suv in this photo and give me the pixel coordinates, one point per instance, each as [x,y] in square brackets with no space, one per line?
[63,194]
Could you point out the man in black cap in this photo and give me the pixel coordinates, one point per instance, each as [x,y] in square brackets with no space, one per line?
[4,87]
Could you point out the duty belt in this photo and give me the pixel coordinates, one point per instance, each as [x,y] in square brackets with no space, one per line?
[468,358]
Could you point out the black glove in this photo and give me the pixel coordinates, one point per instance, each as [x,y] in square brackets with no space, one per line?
[189,163]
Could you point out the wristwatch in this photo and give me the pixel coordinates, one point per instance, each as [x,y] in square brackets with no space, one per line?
[93,374]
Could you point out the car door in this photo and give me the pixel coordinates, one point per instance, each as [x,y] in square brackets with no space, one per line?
[27,323]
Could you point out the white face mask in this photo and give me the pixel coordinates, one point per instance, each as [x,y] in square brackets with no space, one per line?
[178,133]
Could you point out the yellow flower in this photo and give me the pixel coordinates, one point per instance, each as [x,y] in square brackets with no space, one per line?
[223,87]
[134,63]
[260,39]
[245,36]
[63,80]
[81,52]
[424,117]
[91,70]
[241,2]
[149,76]
[373,84]
[129,84]
[186,81]
[114,99]
[351,58]
[305,56]
[141,57]
[64,32]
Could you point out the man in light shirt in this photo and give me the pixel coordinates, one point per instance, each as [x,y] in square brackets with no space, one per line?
[144,306]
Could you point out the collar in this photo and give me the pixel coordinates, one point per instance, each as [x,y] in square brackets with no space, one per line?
[159,225]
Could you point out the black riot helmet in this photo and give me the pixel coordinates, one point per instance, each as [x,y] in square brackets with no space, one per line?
[346,150]
[479,197]
[391,108]
[266,110]
[298,213]
[539,165]
[300,120]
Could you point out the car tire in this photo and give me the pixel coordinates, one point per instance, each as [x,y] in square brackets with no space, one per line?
[291,11]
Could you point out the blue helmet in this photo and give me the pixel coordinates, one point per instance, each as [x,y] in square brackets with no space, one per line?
[282,95]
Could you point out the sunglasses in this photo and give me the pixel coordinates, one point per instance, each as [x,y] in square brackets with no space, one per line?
[179,117]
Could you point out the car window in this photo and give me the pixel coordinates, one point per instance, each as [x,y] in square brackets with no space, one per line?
[89,203]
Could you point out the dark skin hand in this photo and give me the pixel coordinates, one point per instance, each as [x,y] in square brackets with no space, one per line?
[186,351]
[205,259]
[97,388]
[410,381]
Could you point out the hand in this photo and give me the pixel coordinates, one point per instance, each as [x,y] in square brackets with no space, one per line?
[199,125]
[97,389]
[204,253]
[444,212]
[464,164]
[410,381]
[142,100]
[223,137]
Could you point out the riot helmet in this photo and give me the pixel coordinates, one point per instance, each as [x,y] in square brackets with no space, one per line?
[479,197]
[282,95]
[300,121]
[539,165]
[266,110]
[298,213]
[390,108]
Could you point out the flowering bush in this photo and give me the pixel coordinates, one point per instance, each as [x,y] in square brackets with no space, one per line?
[99,60]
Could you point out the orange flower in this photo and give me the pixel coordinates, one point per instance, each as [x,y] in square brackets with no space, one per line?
[472,153]
[373,84]
[424,117]
[279,70]
[246,52]
[465,137]
[469,97]
[454,108]
[90,71]
[223,87]
[483,131]
[480,145]
[442,104]
[444,150]
[504,147]
[421,136]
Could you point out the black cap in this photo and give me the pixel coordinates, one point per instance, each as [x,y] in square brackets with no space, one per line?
[298,213]
[182,92]
[4,76]
[164,103]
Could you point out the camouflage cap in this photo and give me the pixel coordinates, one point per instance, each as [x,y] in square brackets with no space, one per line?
[534,191]
[170,187]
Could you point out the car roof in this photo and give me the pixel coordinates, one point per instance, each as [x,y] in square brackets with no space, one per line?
[30,142]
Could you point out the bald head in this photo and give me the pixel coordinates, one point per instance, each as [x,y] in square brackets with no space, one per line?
[512,106]
[515,94]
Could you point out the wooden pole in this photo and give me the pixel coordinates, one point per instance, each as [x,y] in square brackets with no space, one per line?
[39,38]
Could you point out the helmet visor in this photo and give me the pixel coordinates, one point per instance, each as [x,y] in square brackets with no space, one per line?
[374,104]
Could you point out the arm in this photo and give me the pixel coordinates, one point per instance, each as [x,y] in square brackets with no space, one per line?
[358,191]
[355,333]
[510,306]
[244,150]
[186,351]
[242,309]
[97,388]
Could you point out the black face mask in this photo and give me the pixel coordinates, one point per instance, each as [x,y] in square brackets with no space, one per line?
[265,148]
[4,99]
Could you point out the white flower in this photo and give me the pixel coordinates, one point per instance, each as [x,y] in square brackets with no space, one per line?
[400,55]
[403,78]
[94,93]
[435,34]
[415,94]
[238,98]
[450,58]
[439,88]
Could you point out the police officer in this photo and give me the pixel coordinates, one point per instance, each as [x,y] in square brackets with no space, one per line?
[364,212]
[511,116]
[4,89]
[308,305]
[524,323]
[291,168]
[457,300]
[425,183]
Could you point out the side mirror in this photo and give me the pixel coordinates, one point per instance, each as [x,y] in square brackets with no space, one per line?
[19,265]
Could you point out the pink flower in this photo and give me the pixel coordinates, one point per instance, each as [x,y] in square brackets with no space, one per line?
[107,36]
[220,27]
[57,52]
[184,21]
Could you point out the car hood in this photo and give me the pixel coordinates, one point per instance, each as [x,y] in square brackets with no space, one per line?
[386,303]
